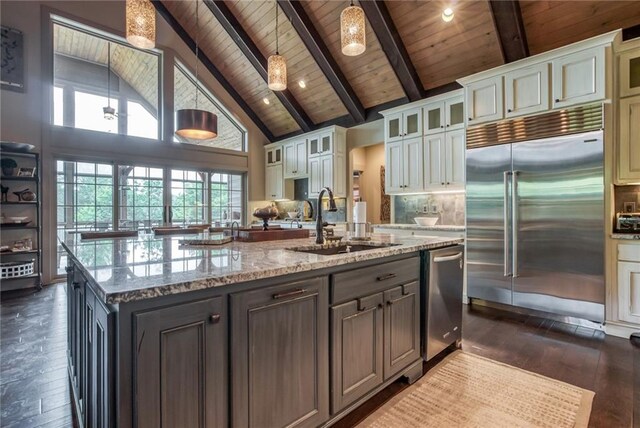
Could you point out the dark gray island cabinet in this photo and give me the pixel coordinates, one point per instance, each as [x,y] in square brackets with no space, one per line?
[301,349]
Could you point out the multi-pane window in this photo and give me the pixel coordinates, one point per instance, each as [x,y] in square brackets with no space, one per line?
[84,199]
[230,136]
[226,197]
[188,197]
[141,196]
[89,69]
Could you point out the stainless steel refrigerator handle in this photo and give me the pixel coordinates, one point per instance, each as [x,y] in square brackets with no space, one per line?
[505,220]
[514,222]
[448,258]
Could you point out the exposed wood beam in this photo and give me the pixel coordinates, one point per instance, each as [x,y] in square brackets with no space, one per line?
[175,25]
[319,51]
[231,25]
[507,19]
[388,36]
[631,32]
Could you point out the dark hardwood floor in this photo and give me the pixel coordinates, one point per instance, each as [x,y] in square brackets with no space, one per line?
[34,390]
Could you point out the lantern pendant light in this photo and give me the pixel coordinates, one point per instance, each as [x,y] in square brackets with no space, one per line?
[141,23]
[352,31]
[108,111]
[277,66]
[196,124]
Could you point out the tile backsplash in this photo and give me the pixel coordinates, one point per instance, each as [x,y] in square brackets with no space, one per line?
[449,207]
[623,194]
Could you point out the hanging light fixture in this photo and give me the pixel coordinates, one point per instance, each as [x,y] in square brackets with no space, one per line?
[352,31]
[141,23]
[108,111]
[277,66]
[196,124]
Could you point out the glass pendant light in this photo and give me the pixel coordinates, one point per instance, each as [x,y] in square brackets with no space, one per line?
[352,31]
[141,23]
[108,111]
[196,124]
[277,66]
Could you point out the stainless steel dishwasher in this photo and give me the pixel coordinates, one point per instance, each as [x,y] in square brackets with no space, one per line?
[442,316]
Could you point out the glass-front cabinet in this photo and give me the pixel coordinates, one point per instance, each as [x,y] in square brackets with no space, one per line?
[274,156]
[630,72]
[407,124]
[321,144]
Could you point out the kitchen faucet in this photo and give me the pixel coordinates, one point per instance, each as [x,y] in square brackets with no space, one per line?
[319,223]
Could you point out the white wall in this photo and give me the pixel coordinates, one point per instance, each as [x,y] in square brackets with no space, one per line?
[21,114]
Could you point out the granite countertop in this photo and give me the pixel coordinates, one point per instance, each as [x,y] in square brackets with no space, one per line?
[627,236]
[443,227]
[129,269]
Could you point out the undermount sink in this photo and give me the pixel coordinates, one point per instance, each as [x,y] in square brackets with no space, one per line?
[329,250]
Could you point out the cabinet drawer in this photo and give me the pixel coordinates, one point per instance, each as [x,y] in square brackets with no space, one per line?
[369,280]
[629,252]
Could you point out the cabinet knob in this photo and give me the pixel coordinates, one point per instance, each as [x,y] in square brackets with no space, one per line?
[214,318]
[442,126]
[509,110]
[379,305]
[442,183]
[557,100]
[470,119]
[448,183]
[448,125]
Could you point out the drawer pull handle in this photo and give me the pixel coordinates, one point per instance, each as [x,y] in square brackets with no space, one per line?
[214,318]
[386,276]
[289,294]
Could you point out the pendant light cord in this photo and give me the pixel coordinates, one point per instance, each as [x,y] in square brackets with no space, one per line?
[275,3]
[197,50]
[109,74]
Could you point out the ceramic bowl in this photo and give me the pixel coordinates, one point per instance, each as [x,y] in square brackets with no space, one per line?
[426,221]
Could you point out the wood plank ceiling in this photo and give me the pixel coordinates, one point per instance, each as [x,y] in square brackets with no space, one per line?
[427,57]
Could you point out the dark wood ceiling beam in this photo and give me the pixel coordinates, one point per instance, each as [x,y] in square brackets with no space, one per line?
[319,51]
[507,18]
[231,25]
[179,29]
[389,38]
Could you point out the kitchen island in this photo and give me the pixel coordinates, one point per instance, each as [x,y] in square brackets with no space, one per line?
[245,334]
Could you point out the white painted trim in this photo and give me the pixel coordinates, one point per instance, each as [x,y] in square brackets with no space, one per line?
[622,330]
[423,102]
[601,40]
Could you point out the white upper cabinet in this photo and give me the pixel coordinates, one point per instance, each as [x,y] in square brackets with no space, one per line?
[327,164]
[629,141]
[321,144]
[394,170]
[526,90]
[454,159]
[406,124]
[273,155]
[484,100]
[433,162]
[578,78]
[454,113]
[314,145]
[434,118]
[629,66]
[412,166]
[295,159]
[274,183]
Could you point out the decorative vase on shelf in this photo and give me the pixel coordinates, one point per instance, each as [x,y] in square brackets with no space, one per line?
[8,167]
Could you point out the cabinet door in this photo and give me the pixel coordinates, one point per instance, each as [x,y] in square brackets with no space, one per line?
[273,182]
[394,168]
[280,370]
[326,172]
[88,383]
[315,176]
[401,328]
[434,118]
[484,100]
[629,141]
[413,165]
[393,127]
[454,113]
[103,367]
[326,143]
[433,155]
[290,159]
[314,146]
[454,156]
[301,157]
[629,292]
[179,365]
[526,90]
[357,350]
[274,155]
[412,123]
[71,321]
[630,73]
[579,78]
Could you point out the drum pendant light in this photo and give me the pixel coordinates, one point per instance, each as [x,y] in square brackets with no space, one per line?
[141,23]
[196,124]
[277,66]
[352,31]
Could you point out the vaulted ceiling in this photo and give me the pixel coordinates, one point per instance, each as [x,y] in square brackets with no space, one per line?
[411,52]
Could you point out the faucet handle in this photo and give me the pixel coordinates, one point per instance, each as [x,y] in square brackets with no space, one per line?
[325,224]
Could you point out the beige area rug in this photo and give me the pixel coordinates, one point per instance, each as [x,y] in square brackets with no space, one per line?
[466,390]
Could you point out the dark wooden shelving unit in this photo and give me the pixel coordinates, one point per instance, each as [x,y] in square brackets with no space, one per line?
[33,159]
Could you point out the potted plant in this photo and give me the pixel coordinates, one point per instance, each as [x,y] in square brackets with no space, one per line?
[8,166]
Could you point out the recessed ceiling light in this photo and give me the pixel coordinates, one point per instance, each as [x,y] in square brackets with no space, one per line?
[266,100]
[447,14]
[302,84]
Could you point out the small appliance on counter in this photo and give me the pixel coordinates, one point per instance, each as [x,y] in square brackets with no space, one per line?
[628,222]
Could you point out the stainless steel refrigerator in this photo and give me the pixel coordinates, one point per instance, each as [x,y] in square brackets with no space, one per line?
[535,224]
